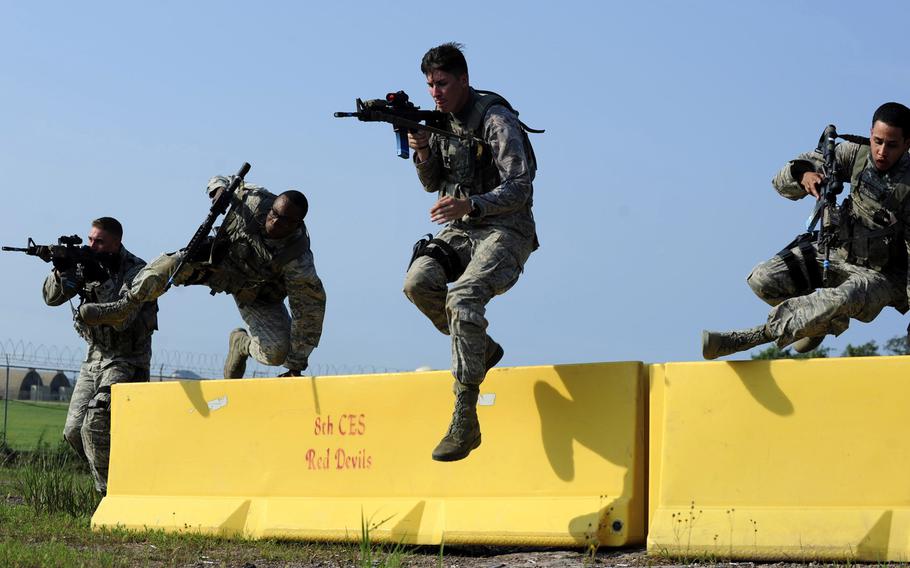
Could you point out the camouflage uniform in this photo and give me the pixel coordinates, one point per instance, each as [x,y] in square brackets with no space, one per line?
[259,273]
[493,243]
[115,354]
[868,268]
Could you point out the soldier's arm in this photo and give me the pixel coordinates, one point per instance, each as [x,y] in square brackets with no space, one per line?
[56,291]
[787,181]
[429,171]
[306,298]
[503,134]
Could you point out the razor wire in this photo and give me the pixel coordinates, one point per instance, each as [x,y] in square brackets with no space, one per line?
[167,363]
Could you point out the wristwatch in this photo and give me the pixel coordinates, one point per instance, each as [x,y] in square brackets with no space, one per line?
[475,210]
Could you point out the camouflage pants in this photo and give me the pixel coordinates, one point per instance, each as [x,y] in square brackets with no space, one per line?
[270,330]
[151,281]
[852,292]
[88,419]
[269,322]
[493,261]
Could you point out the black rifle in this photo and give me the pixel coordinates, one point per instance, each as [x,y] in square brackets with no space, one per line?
[68,253]
[826,205]
[220,204]
[401,113]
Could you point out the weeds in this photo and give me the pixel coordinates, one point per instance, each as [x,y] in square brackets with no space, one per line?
[49,483]
[372,556]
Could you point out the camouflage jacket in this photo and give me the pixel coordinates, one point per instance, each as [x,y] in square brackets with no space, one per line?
[502,171]
[129,342]
[874,217]
[254,268]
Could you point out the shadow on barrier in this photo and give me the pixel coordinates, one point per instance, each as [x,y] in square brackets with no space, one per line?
[589,415]
[409,523]
[235,523]
[758,379]
[878,539]
[585,399]
[193,392]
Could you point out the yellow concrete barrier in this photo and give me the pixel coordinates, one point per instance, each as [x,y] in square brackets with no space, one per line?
[782,459]
[561,463]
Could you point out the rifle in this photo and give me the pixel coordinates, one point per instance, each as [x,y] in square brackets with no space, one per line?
[401,113]
[827,199]
[220,204]
[68,253]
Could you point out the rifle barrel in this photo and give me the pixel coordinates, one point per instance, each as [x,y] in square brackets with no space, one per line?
[14,249]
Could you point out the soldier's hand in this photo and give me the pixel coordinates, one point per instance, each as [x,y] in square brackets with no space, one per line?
[419,141]
[63,263]
[292,373]
[448,209]
[69,280]
[810,182]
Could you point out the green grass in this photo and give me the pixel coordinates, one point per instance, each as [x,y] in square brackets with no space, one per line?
[45,521]
[29,423]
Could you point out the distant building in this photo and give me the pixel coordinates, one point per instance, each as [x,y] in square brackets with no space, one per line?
[185,375]
[21,382]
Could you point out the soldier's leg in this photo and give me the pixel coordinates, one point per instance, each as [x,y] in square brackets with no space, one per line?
[792,272]
[83,392]
[497,263]
[425,283]
[425,286]
[494,268]
[858,293]
[96,428]
[147,286]
[151,281]
[270,331]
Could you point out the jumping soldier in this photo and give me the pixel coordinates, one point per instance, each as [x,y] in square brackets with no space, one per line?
[868,268]
[261,257]
[483,182]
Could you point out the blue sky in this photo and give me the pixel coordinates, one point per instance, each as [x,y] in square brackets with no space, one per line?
[665,123]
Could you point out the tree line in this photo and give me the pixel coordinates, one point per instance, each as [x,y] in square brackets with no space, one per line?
[898,345]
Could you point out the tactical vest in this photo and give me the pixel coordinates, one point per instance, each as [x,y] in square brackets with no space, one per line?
[468,164]
[241,263]
[873,235]
[130,341]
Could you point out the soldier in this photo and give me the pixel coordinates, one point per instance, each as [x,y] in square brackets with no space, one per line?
[116,354]
[868,269]
[262,257]
[484,199]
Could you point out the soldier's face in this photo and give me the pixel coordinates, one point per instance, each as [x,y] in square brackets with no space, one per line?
[450,92]
[100,240]
[282,220]
[888,145]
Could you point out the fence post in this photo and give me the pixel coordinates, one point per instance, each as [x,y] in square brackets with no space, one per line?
[5,402]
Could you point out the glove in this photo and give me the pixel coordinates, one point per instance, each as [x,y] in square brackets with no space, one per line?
[69,281]
[292,373]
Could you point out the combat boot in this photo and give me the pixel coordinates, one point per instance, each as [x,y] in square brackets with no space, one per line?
[464,431]
[238,351]
[492,354]
[716,344]
[807,344]
[109,313]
